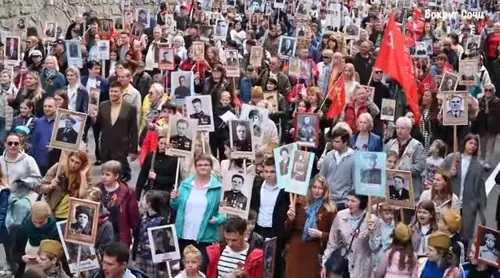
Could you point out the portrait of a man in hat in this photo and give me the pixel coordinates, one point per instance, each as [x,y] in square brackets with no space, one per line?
[66,132]
[371,174]
[83,224]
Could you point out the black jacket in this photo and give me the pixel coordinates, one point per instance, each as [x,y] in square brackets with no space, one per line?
[164,167]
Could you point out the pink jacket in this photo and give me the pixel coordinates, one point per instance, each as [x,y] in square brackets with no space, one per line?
[384,270]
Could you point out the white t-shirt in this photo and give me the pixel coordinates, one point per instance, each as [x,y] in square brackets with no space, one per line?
[196,205]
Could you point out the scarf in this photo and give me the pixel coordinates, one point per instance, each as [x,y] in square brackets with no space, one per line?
[36,235]
[311,215]
[50,73]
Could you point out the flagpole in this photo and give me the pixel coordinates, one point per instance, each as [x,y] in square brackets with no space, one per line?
[326,97]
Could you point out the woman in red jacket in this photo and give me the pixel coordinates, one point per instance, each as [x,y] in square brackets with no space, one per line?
[232,252]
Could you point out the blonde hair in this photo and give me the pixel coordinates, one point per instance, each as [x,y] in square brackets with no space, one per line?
[191,250]
[343,125]
[327,203]
[74,70]
[53,59]
[225,93]
[94,194]
[158,88]
[368,118]
[41,210]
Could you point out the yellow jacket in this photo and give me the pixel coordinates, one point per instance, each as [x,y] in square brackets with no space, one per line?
[145,109]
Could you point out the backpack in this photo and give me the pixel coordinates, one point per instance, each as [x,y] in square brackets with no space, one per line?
[19,208]
[4,205]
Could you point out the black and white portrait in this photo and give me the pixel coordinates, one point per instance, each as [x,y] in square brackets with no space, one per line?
[182,86]
[352,30]
[455,110]
[182,132]
[106,26]
[388,109]
[84,216]
[50,30]
[88,257]
[221,28]
[234,197]
[468,71]
[398,190]
[207,32]
[449,82]
[232,63]
[269,249]
[166,58]
[21,24]
[240,132]
[164,244]
[257,117]
[370,173]
[255,6]
[287,46]
[307,128]
[118,23]
[284,160]
[472,45]
[68,130]
[143,17]
[487,245]
[198,51]
[200,109]
[300,165]
[474,5]
[136,31]
[421,49]
[12,48]
[206,5]
[73,50]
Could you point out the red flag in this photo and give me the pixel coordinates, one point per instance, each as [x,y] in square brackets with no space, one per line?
[337,95]
[447,68]
[399,67]
[427,84]
[236,100]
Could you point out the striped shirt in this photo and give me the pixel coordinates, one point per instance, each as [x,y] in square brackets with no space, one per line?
[230,261]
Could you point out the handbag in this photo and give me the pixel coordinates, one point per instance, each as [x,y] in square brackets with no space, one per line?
[337,262]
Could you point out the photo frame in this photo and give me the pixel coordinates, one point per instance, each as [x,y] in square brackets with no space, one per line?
[198,51]
[106,25]
[449,82]
[200,109]
[294,64]
[282,160]
[307,130]
[257,117]
[272,99]
[472,45]
[270,246]
[181,86]
[85,213]
[103,49]
[181,136]
[94,97]
[206,32]
[68,130]
[232,63]
[236,193]
[300,172]
[455,108]
[12,49]
[287,46]
[220,29]
[256,55]
[118,23]
[370,177]
[136,31]
[353,29]
[166,58]
[421,49]
[88,254]
[255,6]
[487,246]
[399,189]
[142,17]
[241,138]
[74,53]
[50,30]
[388,109]
[164,243]
[279,4]
[467,70]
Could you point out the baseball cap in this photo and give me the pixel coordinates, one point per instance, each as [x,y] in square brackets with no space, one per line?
[58,41]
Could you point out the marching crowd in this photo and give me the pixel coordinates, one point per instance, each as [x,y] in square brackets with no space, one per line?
[331,231]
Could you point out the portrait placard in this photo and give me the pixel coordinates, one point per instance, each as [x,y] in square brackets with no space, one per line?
[487,245]
[84,216]
[12,49]
[166,58]
[472,45]
[74,53]
[467,70]
[182,86]
[255,6]
[136,31]
[272,98]
[237,193]
[270,247]
[370,176]
[388,110]
[353,29]
[241,139]
[206,32]
[287,47]
[68,130]
[118,23]
[50,30]
[282,160]
[258,118]
[181,134]
[94,96]
[256,54]
[455,108]
[421,49]
[164,243]
[232,63]
[88,255]
[106,26]
[221,29]
[294,66]
[103,49]
[200,109]
[449,82]
[300,172]
[279,4]
[307,129]
[198,51]
[399,189]
[143,17]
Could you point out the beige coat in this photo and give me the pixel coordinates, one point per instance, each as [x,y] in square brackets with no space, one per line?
[360,259]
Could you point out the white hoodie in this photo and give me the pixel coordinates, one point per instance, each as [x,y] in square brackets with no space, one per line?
[23,168]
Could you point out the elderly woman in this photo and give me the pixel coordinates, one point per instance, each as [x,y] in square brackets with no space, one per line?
[51,78]
[365,140]
[411,153]
[354,225]
[467,182]
[152,104]
[360,103]
[486,125]
[179,48]
[196,203]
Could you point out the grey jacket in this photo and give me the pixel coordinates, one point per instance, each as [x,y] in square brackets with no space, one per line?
[474,195]
[340,176]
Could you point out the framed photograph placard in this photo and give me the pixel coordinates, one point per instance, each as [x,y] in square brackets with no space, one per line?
[164,243]
[388,110]
[300,172]
[487,246]
[283,162]
[12,49]
[269,248]
[399,189]
[241,139]
[455,108]
[370,175]
[467,71]
[84,216]
[68,130]
[200,108]
[449,82]
[237,193]
[256,55]
[307,130]
[181,136]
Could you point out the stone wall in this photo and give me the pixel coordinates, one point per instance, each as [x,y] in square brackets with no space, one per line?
[36,12]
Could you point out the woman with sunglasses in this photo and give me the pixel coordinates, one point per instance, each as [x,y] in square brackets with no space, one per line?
[196,201]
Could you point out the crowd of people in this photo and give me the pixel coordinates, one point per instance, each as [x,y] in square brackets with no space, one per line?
[332,231]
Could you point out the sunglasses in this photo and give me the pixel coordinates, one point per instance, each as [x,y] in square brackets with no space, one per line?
[488,90]
[13,143]
[326,57]
[378,72]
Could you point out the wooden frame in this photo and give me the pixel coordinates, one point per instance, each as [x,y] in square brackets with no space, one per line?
[485,237]
[403,199]
[451,118]
[306,133]
[68,137]
[181,145]
[76,234]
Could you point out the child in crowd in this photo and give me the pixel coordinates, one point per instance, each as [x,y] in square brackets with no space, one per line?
[423,225]
[440,261]
[400,252]
[221,133]
[253,238]
[478,269]
[152,205]
[392,159]
[433,162]
[382,239]
[192,263]
[449,223]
